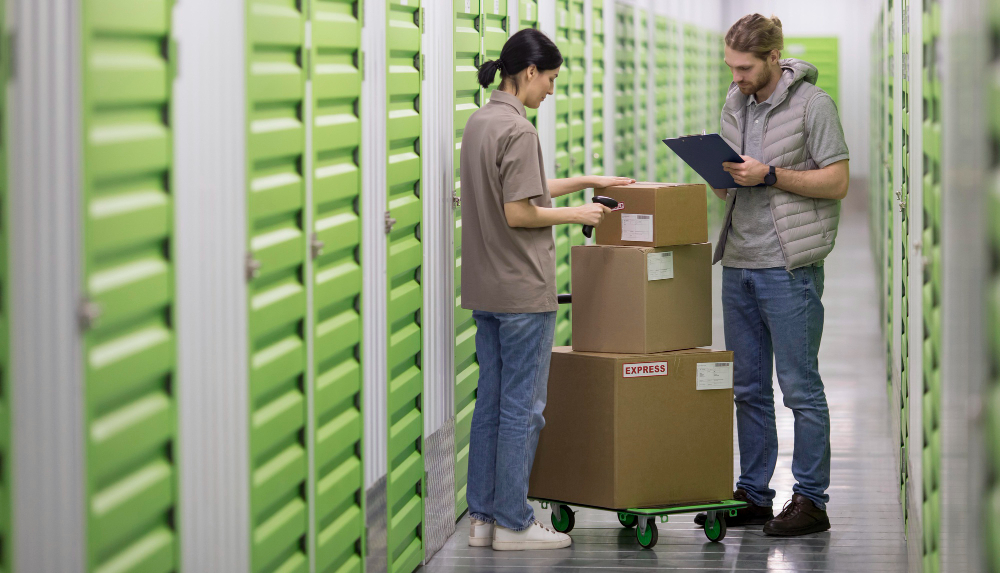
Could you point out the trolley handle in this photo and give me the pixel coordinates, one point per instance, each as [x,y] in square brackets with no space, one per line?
[608,202]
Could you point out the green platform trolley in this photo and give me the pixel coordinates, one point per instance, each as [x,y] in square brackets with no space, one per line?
[644,519]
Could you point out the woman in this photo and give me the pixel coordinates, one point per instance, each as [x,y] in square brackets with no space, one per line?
[508,280]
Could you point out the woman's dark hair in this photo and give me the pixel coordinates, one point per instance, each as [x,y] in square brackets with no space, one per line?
[523,49]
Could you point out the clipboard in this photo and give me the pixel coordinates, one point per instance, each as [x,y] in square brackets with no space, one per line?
[706,154]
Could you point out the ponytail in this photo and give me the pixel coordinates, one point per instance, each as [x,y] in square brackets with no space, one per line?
[488,72]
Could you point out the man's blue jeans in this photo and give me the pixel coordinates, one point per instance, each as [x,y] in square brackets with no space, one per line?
[773,316]
[514,351]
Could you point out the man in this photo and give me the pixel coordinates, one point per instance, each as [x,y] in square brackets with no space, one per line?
[780,224]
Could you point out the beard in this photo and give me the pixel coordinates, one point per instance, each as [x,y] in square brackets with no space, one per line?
[758,83]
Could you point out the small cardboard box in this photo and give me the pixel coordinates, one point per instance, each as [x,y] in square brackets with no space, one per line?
[641,299]
[655,215]
[627,431]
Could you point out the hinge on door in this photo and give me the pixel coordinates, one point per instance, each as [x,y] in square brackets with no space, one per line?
[252,267]
[421,67]
[315,246]
[456,201]
[389,222]
[309,67]
[88,313]
[361,63]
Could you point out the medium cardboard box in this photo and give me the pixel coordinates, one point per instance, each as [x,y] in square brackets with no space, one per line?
[627,431]
[641,299]
[656,215]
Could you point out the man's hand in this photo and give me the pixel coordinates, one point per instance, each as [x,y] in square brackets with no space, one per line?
[749,173]
[598,182]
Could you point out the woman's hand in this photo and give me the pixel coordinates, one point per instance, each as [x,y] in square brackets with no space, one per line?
[591,214]
[600,182]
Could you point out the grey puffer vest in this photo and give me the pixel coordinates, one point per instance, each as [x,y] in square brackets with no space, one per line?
[806,227]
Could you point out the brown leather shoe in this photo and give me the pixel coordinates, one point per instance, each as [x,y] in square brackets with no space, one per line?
[799,517]
[750,515]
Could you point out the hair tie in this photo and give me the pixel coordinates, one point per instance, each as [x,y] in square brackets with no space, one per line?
[499,64]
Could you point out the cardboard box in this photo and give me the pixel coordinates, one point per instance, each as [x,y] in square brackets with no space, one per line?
[626,431]
[656,215]
[641,299]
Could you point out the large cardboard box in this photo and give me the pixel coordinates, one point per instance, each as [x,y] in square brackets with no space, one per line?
[656,215]
[641,299]
[626,431]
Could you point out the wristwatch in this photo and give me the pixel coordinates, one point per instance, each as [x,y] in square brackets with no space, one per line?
[771,178]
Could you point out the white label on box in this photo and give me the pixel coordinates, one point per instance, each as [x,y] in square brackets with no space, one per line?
[660,266]
[637,228]
[715,376]
[644,369]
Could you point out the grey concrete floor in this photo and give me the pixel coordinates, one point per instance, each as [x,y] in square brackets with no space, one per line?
[867,533]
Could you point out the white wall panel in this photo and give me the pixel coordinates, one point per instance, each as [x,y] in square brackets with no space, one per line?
[210,214]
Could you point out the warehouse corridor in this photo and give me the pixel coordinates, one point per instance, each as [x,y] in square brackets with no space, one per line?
[867,532]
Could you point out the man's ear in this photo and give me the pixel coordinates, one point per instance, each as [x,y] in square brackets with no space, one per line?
[775,56]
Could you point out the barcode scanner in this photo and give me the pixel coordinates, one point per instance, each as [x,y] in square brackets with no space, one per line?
[608,202]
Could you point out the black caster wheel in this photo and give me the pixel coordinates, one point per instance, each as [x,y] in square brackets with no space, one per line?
[648,538]
[568,521]
[627,520]
[717,532]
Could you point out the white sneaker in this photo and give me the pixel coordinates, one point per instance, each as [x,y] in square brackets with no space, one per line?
[536,536]
[480,533]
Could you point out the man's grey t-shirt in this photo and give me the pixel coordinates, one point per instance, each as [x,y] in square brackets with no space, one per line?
[752,242]
[504,269]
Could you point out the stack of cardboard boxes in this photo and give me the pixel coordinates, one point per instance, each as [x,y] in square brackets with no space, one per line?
[638,415]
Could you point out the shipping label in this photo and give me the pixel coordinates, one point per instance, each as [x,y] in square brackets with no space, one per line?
[715,376]
[644,369]
[660,266]
[637,228]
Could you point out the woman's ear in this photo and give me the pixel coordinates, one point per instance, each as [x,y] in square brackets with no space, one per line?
[531,72]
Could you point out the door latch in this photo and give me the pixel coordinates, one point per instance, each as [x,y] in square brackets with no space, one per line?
[390,222]
[456,201]
[315,246]
[88,313]
[252,267]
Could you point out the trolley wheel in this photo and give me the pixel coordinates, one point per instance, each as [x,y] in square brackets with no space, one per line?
[649,538]
[627,519]
[568,521]
[717,532]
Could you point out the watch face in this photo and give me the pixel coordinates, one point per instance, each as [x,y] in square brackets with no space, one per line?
[770,179]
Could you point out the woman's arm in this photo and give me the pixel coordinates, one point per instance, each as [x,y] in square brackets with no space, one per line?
[527,215]
[560,187]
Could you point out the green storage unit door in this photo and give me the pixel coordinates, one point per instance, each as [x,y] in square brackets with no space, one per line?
[277,292]
[693,92]
[528,15]
[563,233]
[597,75]
[467,50]
[668,57]
[822,52]
[493,18]
[405,483]
[5,427]
[930,75]
[889,160]
[577,64]
[624,91]
[128,276]
[642,97]
[337,296]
